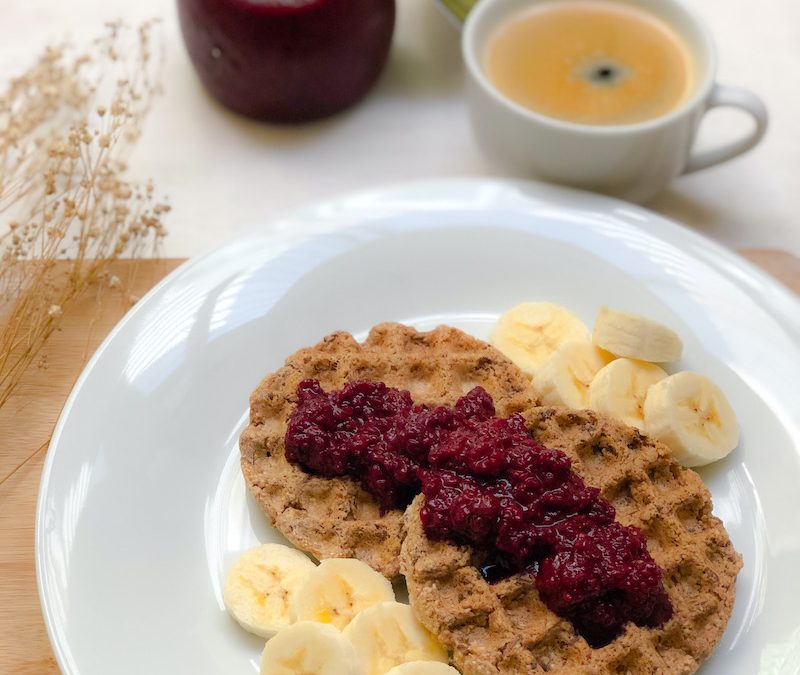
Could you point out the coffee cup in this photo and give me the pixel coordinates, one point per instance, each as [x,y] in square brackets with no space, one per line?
[634,160]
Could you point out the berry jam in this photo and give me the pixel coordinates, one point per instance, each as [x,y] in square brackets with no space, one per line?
[374,434]
[488,484]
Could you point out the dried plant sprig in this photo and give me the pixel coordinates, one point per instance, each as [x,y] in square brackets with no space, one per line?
[67,126]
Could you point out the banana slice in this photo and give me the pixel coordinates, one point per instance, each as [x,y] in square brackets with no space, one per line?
[635,337]
[312,649]
[337,590]
[529,333]
[423,668]
[565,377]
[619,389]
[389,634]
[691,416]
[260,584]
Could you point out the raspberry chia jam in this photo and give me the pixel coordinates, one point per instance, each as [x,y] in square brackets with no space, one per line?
[489,484]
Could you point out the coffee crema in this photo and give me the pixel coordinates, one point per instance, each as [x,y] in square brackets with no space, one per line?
[590,62]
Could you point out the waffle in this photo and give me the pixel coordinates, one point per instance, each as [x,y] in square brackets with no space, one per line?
[505,628]
[333,517]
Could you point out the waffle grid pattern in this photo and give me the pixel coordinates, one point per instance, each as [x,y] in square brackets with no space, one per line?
[334,517]
[505,628]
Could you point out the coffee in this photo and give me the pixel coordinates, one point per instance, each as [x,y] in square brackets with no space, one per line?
[590,62]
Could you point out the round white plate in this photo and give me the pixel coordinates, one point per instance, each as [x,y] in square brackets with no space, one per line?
[142,506]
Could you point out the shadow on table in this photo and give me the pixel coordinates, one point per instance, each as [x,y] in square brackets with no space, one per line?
[425,58]
[684,208]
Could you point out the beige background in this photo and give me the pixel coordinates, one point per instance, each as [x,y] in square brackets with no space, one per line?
[222,172]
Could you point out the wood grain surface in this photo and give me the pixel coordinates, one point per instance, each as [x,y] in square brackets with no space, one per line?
[27,421]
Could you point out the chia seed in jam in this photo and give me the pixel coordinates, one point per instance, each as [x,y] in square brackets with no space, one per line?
[488,484]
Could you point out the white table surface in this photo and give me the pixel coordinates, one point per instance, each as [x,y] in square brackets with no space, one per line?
[222,172]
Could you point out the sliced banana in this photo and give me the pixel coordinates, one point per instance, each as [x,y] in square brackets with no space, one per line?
[423,668]
[389,634]
[259,587]
[565,377]
[692,417]
[337,590]
[529,333]
[635,337]
[310,648]
[619,389]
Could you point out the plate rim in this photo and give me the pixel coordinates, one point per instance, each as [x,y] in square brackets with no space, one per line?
[769,287]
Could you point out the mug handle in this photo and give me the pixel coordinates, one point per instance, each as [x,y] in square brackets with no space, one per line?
[731,97]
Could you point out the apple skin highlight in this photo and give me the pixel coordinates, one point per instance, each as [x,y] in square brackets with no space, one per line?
[287,62]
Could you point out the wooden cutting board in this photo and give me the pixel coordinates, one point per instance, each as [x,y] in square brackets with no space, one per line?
[27,421]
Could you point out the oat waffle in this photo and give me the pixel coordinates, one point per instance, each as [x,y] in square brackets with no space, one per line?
[333,517]
[505,628]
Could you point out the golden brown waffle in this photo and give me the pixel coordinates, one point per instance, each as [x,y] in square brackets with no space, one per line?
[505,628]
[333,518]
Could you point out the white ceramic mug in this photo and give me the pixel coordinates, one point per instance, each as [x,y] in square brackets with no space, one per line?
[633,161]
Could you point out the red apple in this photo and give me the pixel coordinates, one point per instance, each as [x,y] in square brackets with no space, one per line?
[287,60]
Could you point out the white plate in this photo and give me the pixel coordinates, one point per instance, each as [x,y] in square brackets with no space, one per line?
[142,506]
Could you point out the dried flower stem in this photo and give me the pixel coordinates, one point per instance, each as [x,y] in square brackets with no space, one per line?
[66,127]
